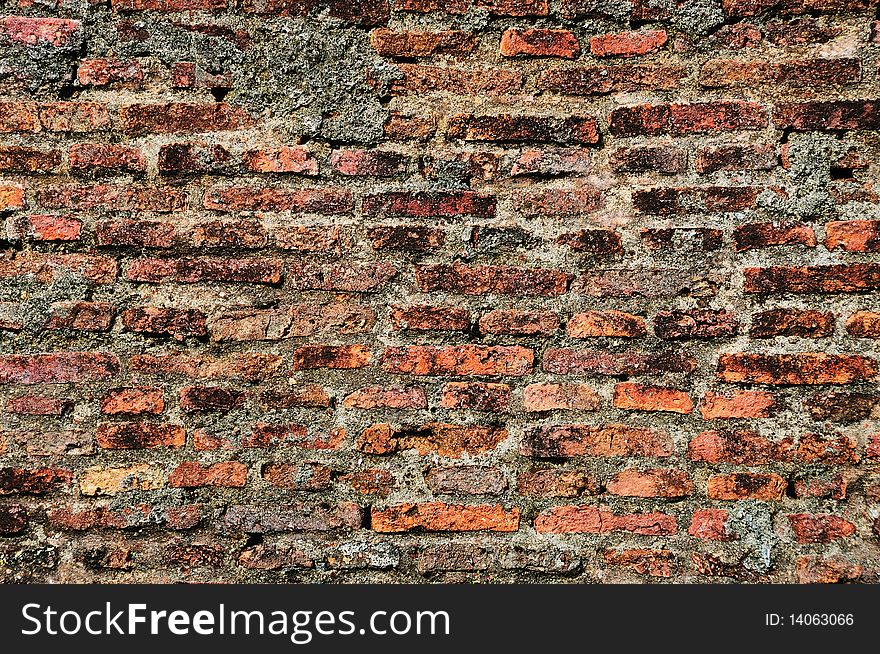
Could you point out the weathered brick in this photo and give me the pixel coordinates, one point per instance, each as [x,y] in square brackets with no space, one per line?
[609,324]
[299,477]
[196,157]
[566,397]
[745,486]
[473,360]
[628,44]
[641,159]
[505,127]
[80,316]
[21,159]
[586,519]
[519,323]
[389,43]
[565,441]
[178,323]
[57,32]
[821,528]
[429,318]
[111,481]
[38,405]
[310,357]
[133,401]
[113,197]
[553,482]
[680,119]
[380,397]
[655,563]
[726,73]
[421,80]
[106,72]
[711,524]
[43,227]
[209,398]
[651,482]
[251,270]
[37,481]
[794,369]
[469,480]
[738,405]
[828,570]
[57,368]
[437,516]
[762,235]
[406,238]
[831,115]
[480,280]
[181,118]
[602,80]
[740,446]
[537,42]
[430,204]
[139,435]
[100,157]
[736,157]
[476,396]
[251,366]
[564,361]
[263,198]
[804,323]
[441,438]
[645,282]
[695,323]
[301,516]
[192,474]
[642,397]
[842,407]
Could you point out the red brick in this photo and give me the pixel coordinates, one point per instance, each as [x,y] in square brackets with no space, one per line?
[688,200]
[763,235]
[370,481]
[592,241]
[567,397]
[432,438]
[253,270]
[285,159]
[46,268]
[822,528]
[553,482]
[406,238]
[672,239]
[310,357]
[39,481]
[822,486]
[746,486]
[249,234]
[303,395]
[473,360]
[113,197]
[481,280]
[169,6]
[565,441]
[181,118]
[135,233]
[831,115]
[266,435]
[740,8]
[430,204]
[655,563]
[740,446]
[736,157]
[853,235]
[20,159]
[695,323]
[380,397]
[476,396]
[139,435]
[38,405]
[864,324]
[298,477]
[737,36]
[641,397]
[601,80]
[99,157]
[505,127]
[662,159]
[608,324]
[840,450]
[209,398]
[194,157]
[651,482]
[429,318]
[519,323]
[812,73]
[555,202]
[424,80]
[513,7]
[539,43]
[11,197]
[291,322]
[841,407]
[437,516]
[681,119]
[628,44]
[308,239]
[828,570]
[585,519]
[469,480]
[188,75]
[402,127]
[389,43]
[302,516]
[191,474]
[711,524]
[57,368]
[42,227]
[803,323]
[368,163]
[738,405]
[794,369]
[251,366]
[57,32]
[133,401]
[179,323]
[564,361]
[104,72]
[80,316]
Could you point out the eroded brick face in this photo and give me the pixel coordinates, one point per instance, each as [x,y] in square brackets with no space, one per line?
[463,290]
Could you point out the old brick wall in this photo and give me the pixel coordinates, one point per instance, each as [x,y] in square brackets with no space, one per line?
[462,290]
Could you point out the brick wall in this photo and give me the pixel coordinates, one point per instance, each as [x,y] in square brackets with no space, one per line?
[471,290]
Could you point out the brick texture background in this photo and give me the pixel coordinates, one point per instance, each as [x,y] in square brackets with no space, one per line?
[462,290]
